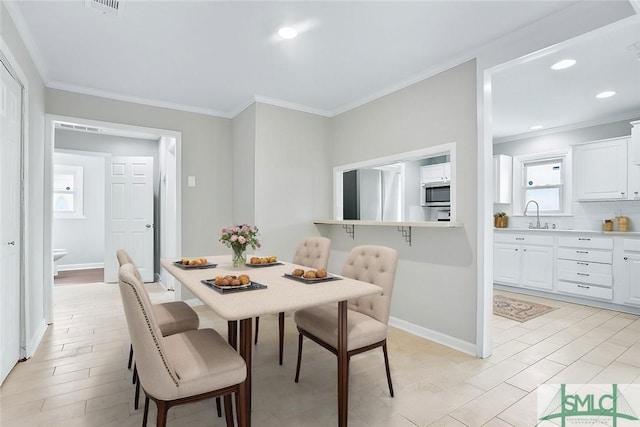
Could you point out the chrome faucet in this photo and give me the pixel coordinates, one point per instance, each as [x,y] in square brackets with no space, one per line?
[537,226]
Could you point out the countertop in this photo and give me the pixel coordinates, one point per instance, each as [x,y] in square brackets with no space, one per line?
[558,230]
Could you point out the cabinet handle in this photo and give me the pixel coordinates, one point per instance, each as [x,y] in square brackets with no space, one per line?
[519,238]
[584,287]
[583,274]
[516,249]
[524,250]
[582,263]
[582,252]
[585,239]
[626,258]
[635,192]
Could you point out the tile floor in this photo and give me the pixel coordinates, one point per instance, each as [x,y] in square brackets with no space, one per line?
[78,376]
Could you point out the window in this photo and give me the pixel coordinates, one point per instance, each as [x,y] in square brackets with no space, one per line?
[545,178]
[543,183]
[68,191]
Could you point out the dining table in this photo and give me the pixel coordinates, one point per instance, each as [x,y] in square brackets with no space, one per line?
[275,291]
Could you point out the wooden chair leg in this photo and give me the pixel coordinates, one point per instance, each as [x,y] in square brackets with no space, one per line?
[280,335]
[255,340]
[161,420]
[135,374]
[299,357]
[386,365]
[218,407]
[228,410]
[130,356]
[137,396]
[146,410]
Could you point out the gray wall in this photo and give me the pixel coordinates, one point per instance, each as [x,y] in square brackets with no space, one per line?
[436,280]
[206,154]
[244,162]
[293,177]
[34,195]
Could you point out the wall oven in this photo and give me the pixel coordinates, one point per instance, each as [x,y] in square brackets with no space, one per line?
[436,194]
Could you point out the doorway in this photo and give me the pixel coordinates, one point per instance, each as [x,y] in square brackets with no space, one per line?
[167,230]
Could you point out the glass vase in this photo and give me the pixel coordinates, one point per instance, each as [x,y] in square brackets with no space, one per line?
[239,258]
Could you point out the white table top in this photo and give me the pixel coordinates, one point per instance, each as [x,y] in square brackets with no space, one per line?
[282,294]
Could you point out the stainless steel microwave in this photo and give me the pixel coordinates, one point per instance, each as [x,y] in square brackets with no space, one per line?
[436,194]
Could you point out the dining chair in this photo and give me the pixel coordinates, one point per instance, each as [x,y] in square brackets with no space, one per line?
[183,367]
[367,317]
[313,252]
[173,317]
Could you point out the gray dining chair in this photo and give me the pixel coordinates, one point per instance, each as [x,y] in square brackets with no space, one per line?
[173,317]
[183,367]
[367,317]
[312,252]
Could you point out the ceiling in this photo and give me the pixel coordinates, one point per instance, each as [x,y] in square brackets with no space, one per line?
[530,93]
[217,57]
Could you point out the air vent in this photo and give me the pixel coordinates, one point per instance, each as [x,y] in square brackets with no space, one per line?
[81,128]
[106,7]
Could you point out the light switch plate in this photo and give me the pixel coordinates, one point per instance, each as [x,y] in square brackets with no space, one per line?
[191,181]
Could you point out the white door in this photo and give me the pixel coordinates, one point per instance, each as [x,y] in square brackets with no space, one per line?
[129,216]
[537,267]
[631,275]
[600,170]
[10,220]
[506,263]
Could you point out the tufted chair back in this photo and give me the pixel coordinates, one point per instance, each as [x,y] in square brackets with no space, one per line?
[313,252]
[124,258]
[376,265]
[154,368]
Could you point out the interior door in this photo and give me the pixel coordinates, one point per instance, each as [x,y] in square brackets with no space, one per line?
[10,219]
[129,216]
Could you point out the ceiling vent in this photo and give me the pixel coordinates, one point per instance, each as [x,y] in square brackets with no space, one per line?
[106,7]
[81,128]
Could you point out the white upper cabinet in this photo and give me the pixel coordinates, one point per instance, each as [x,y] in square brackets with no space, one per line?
[600,170]
[440,172]
[634,162]
[502,178]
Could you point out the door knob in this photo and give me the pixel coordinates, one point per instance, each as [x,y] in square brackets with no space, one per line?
[148,225]
[11,243]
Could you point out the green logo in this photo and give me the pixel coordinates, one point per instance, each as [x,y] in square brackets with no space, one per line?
[588,406]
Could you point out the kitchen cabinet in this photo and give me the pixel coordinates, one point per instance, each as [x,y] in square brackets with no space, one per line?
[502,178]
[524,260]
[634,162]
[634,143]
[440,172]
[630,287]
[584,265]
[600,170]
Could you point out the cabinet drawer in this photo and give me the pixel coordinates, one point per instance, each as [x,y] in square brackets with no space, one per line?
[523,239]
[592,278]
[632,245]
[584,267]
[586,242]
[585,290]
[585,255]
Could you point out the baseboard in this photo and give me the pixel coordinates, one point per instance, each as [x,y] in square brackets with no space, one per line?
[85,266]
[35,340]
[439,337]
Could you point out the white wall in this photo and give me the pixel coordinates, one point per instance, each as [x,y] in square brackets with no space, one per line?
[34,194]
[435,290]
[586,215]
[83,238]
[244,162]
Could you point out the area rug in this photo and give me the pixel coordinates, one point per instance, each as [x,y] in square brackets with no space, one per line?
[516,309]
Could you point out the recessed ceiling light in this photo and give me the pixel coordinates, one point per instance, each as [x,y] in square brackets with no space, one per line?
[565,63]
[606,94]
[287,33]
[536,127]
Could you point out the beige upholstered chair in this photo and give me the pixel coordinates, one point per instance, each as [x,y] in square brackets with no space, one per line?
[312,252]
[181,368]
[173,317]
[367,317]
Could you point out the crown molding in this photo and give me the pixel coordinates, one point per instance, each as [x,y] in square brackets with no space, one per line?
[630,115]
[137,100]
[291,105]
[27,39]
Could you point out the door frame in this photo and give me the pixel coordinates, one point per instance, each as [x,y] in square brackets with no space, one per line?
[27,346]
[175,228]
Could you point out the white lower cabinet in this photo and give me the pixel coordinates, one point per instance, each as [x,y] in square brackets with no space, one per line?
[523,261]
[584,266]
[631,272]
